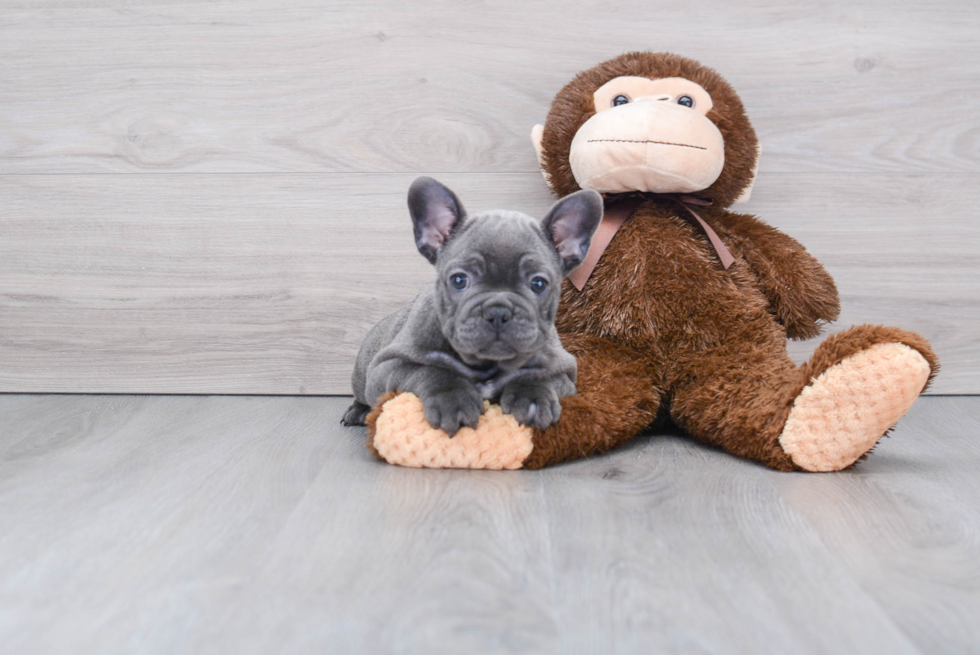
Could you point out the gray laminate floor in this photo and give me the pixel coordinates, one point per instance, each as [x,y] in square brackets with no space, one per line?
[190,524]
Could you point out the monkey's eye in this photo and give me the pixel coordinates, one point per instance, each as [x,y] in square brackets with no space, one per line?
[538,284]
[687,101]
[620,100]
[459,281]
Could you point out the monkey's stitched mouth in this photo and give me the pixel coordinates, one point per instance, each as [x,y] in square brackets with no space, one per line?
[663,143]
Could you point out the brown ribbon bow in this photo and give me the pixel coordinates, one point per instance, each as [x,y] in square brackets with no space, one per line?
[621,206]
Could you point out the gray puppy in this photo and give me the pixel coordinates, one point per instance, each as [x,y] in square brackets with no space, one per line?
[485,328]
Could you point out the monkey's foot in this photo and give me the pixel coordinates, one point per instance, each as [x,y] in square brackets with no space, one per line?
[399,434]
[843,413]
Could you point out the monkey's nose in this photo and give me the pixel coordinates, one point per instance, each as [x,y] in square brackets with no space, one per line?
[497,315]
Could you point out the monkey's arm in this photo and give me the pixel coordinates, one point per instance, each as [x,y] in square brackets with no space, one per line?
[800,291]
[617,397]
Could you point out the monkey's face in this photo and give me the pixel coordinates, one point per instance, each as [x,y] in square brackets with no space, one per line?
[650,122]
[648,135]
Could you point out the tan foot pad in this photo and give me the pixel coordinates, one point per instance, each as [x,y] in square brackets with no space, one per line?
[403,437]
[845,410]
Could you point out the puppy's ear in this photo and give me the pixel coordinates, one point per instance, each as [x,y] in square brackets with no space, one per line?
[570,224]
[436,212]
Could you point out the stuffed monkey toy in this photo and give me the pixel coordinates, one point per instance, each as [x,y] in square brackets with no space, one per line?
[682,308]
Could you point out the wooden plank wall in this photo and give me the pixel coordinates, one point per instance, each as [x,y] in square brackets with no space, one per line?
[208,197]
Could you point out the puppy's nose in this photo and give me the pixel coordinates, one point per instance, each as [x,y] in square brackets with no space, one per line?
[497,315]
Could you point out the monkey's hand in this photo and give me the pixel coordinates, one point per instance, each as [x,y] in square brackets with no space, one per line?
[802,295]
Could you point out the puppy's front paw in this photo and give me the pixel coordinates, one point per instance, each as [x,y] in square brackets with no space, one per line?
[454,408]
[535,405]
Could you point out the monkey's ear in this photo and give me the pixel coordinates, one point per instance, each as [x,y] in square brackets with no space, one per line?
[570,224]
[436,213]
[747,192]
[537,136]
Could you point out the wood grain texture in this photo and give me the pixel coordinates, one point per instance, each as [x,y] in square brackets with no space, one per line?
[208,197]
[383,86]
[268,283]
[919,568]
[257,524]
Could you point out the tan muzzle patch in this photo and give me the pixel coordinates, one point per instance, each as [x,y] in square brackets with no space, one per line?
[656,147]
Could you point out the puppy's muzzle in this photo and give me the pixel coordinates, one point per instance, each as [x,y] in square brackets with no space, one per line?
[495,324]
[498,315]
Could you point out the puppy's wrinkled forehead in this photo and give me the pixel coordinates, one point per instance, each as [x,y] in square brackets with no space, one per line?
[503,243]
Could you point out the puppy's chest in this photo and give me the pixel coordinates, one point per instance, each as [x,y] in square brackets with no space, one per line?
[489,380]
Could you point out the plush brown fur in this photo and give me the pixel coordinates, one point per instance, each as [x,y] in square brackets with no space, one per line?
[661,329]
[660,324]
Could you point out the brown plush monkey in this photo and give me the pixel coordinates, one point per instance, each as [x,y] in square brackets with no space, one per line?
[682,308]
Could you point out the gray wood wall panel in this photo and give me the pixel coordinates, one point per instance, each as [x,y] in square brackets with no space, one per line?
[255,283]
[381,85]
[209,197]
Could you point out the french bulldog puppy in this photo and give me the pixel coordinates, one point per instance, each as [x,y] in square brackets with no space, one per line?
[485,328]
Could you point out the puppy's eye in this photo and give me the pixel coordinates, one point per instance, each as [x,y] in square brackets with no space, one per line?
[459,281]
[620,100]
[687,101]
[539,284]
